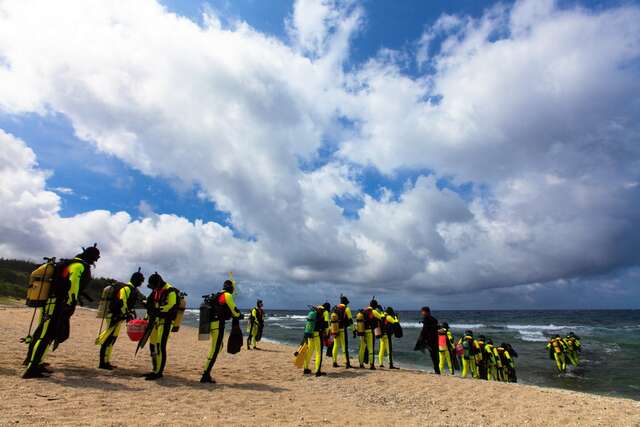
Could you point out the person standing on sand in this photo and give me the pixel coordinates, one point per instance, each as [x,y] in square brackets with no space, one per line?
[370,319]
[223,308]
[162,309]
[255,325]
[388,322]
[315,330]
[428,338]
[121,308]
[342,315]
[69,279]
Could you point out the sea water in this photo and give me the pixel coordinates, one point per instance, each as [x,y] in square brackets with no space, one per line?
[610,359]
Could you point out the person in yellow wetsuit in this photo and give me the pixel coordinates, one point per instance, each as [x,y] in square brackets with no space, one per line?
[255,325]
[315,330]
[371,320]
[223,308]
[70,277]
[389,319]
[506,365]
[557,349]
[491,361]
[471,350]
[162,310]
[573,344]
[446,348]
[344,321]
[122,308]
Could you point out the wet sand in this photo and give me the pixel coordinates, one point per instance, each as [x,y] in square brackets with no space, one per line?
[263,388]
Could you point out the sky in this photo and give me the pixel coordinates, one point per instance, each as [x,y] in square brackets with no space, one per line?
[462,155]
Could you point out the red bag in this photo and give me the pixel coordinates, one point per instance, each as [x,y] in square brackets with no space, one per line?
[136,328]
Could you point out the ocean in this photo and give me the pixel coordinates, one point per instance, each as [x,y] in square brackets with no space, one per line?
[610,359]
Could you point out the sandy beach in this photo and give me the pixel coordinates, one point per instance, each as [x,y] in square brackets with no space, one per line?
[264,388]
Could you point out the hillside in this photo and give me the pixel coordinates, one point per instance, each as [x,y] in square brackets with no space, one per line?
[14,277]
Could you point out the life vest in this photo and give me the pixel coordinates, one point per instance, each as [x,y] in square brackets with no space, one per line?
[341,312]
[443,345]
[557,345]
[370,320]
[335,324]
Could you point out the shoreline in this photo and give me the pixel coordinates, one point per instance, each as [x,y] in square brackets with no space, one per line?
[264,388]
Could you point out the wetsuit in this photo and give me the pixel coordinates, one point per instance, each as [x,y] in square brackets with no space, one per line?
[446,348]
[371,317]
[492,363]
[386,342]
[123,308]
[255,326]
[557,349]
[471,350]
[506,367]
[57,311]
[341,340]
[163,302]
[224,309]
[573,348]
[429,339]
[315,330]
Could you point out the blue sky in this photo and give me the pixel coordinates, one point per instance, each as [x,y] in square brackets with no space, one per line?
[465,179]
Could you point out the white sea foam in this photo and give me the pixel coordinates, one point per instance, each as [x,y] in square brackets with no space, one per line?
[550,327]
[467,325]
[532,336]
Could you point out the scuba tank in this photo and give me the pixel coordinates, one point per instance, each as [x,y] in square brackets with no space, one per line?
[182,306]
[335,324]
[40,283]
[360,328]
[204,325]
[106,297]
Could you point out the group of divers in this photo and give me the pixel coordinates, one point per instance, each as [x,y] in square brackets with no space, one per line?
[330,327]
[56,288]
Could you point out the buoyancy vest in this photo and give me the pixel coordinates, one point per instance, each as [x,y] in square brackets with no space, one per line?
[61,282]
[360,323]
[556,344]
[219,304]
[443,344]
[370,320]
[341,312]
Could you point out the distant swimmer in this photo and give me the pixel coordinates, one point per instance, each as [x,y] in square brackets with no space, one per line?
[557,349]
[390,327]
[222,307]
[255,325]
[315,330]
[117,304]
[428,339]
[64,282]
[340,322]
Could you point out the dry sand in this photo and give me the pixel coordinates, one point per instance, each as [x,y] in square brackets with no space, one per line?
[263,388]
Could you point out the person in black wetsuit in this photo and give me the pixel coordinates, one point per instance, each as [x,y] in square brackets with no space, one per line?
[428,339]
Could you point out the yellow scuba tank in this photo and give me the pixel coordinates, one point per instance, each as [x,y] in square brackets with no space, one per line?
[335,324]
[360,327]
[40,284]
[106,297]
[182,306]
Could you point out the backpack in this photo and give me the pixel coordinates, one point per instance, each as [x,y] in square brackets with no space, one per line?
[340,311]
[109,301]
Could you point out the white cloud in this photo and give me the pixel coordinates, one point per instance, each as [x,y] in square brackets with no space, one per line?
[535,105]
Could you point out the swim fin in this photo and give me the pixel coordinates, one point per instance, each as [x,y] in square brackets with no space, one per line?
[298,361]
[235,341]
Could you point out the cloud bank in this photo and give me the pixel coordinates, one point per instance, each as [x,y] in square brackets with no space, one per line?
[532,106]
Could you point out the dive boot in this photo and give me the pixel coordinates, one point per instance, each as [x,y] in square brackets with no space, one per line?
[306,372]
[153,377]
[207,379]
[320,374]
[335,365]
[361,366]
[33,373]
[107,366]
[373,368]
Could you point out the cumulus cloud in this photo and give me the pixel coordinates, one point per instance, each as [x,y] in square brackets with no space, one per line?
[534,105]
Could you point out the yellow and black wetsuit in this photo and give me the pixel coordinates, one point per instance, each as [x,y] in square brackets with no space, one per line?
[341,340]
[371,317]
[255,326]
[125,301]
[164,302]
[58,308]
[492,362]
[445,347]
[316,328]
[469,357]
[573,345]
[557,348]
[386,342]
[505,364]
[224,309]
